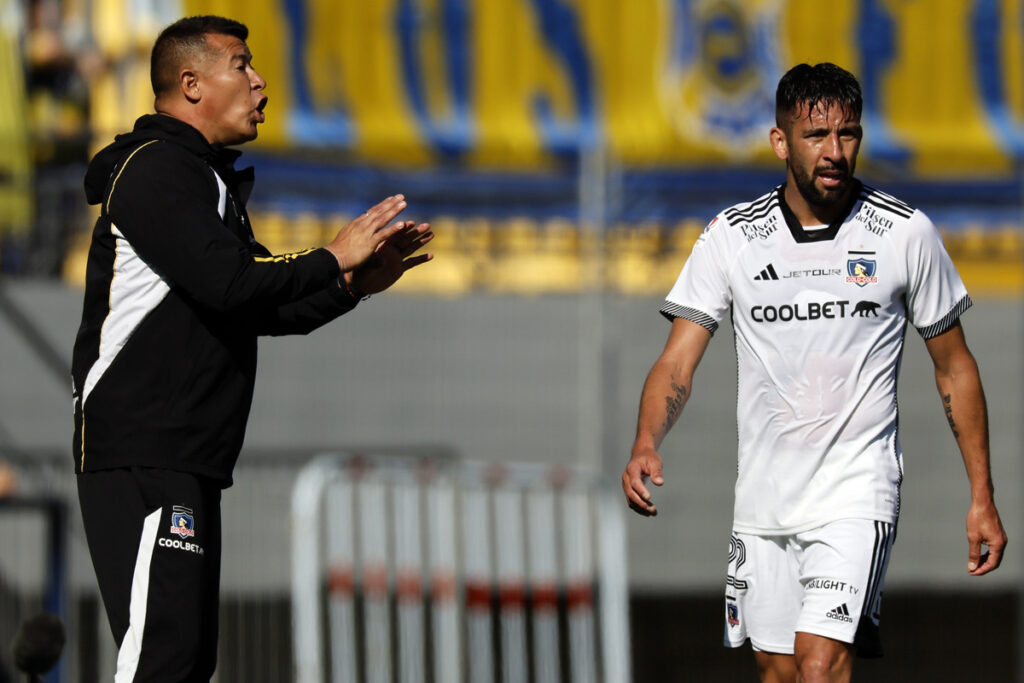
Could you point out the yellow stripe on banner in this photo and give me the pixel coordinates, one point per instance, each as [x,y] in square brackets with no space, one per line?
[804,24]
[360,42]
[932,95]
[505,45]
[629,76]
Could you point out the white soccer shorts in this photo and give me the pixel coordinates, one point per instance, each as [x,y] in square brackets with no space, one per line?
[826,581]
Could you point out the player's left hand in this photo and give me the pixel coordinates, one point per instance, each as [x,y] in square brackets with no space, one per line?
[392,258]
[984,528]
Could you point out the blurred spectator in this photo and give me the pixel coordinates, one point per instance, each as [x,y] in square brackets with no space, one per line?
[8,483]
[57,96]
[84,65]
[57,89]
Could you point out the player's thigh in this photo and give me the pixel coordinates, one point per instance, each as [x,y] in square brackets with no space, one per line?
[842,569]
[763,593]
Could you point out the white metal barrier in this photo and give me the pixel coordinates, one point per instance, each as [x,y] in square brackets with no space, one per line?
[440,571]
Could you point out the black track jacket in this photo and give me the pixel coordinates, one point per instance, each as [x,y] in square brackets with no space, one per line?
[177,290]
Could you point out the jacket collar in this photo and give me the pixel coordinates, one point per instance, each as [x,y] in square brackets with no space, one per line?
[163,127]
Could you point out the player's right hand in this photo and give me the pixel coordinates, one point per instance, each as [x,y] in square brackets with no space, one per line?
[643,465]
[358,241]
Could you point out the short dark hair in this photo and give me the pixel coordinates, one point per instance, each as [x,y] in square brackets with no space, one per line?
[183,40]
[823,83]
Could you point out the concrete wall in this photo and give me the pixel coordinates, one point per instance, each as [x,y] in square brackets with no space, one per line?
[522,379]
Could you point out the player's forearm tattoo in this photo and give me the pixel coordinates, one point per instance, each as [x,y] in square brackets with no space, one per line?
[674,405]
[947,402]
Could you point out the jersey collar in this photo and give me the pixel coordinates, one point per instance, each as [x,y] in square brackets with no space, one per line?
[799,234]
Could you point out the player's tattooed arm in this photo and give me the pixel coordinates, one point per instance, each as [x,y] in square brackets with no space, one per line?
[665,392]
[947,402]
[959,383]
[669,384]
[674,405]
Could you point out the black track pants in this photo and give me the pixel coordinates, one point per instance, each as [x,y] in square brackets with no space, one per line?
[154,537]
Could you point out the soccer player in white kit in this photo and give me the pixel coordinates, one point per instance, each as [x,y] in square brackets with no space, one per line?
[820,277]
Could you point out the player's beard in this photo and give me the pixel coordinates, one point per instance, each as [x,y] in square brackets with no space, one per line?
[816,196]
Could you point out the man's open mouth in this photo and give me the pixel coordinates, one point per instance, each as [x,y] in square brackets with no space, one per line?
[832,177]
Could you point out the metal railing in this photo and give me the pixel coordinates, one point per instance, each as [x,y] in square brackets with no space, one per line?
[440,570]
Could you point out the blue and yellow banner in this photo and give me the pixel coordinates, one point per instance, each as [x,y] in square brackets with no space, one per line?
[517,83]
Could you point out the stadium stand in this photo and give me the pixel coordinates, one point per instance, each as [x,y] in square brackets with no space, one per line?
[480,112]
[530,257]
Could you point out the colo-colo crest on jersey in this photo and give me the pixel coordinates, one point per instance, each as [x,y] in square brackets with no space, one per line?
[182,522]
[861,271]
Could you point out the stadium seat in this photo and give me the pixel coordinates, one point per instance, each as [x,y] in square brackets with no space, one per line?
[531,262]
[75,260]
[306,231]
[271,230]
[633,254]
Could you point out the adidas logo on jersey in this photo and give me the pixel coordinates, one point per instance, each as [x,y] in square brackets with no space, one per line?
[840,613]
[767,274]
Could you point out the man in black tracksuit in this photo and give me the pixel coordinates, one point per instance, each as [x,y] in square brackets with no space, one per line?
[177,291]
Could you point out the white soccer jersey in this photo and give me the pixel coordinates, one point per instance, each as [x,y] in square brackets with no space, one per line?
[819,319]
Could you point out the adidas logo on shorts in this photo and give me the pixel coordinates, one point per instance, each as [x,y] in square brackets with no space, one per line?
[841,613]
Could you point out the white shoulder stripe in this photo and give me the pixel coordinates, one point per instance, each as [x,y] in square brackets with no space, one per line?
[135,290]
[131,646]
